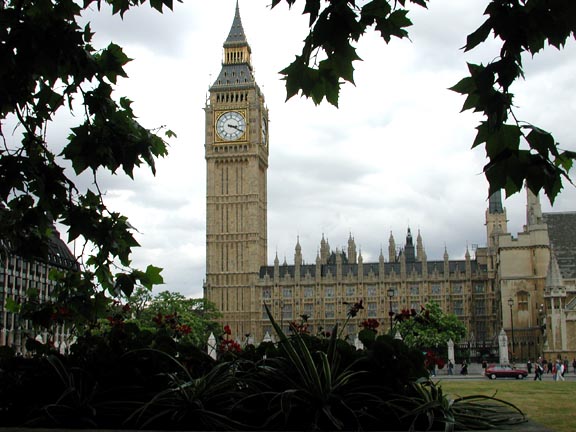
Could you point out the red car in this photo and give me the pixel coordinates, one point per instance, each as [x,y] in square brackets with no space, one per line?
[506,371]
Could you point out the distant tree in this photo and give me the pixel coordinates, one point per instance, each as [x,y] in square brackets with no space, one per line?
[139,301]
[192,318]
[518,151]
[429,327]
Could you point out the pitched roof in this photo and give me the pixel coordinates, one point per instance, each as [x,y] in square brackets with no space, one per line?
[236,36]
[562,234]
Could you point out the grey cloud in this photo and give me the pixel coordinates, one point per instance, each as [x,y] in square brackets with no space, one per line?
[164,34]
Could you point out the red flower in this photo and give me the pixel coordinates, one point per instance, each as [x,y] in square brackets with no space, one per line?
[126,308]
[370,324]
[298,328]
[227,330]
[229,345]
[184,329]
[115,321]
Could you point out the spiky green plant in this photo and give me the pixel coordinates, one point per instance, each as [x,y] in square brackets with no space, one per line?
[312,389]
[190,403]
[426,406]
[76,405]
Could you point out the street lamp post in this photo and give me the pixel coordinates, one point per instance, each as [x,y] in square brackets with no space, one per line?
[511,303]
[391,312]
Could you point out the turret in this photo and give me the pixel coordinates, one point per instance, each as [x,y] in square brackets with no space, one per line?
[420,254]
[297,259]
[276,268]
[360,267]
[351,250]
[324,250]
[409,252]
[391,249]
[533,209]
[496,222]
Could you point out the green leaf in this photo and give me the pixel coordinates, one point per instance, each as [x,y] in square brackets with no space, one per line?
[464,86]
[565,160]
[373,10]
[153,274]
[507,137]
[478,36]
[12,305]
[111,61]
[125,284]
[170,134]
[312,7]
[482,135]
[541,141]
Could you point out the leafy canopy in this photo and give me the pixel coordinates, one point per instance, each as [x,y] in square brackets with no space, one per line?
[518,152]
[152,311]
[430,327]
[49,65]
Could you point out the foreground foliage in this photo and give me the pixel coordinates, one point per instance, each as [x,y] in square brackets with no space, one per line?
[129,378]
[49,65]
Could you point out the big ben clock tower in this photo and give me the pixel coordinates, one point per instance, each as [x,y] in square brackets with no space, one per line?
[236,152]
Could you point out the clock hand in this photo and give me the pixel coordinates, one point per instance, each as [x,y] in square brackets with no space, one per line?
[235,127]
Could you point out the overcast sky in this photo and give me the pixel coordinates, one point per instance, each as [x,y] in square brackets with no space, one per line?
[396,154]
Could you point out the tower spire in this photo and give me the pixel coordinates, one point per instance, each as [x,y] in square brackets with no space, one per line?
[495,203]
[237,64]
[236,37]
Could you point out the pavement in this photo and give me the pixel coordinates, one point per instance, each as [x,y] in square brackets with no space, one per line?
[476,372]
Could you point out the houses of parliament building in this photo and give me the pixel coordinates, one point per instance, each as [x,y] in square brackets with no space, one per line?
[525,282]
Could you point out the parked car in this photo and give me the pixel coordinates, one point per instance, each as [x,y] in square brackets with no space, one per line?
[505,371]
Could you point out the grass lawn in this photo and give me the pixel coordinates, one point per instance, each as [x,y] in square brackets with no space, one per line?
[548,403]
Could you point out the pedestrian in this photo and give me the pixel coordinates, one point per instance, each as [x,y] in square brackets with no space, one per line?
[574,365]
[464,369]
[550,367]
[538,371]
[566,364]
[529,366]
[560,371]
[451,367]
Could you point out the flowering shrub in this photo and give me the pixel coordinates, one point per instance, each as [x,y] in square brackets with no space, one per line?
[432,359]
[430,327]
[299,327]
[228,345]
[171,323]
[370,324]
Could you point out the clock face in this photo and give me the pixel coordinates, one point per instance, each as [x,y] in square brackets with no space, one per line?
[231,125]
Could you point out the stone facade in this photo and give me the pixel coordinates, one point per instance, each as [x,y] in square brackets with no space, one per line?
[404,280]
[17,276]
[236,151]
[504,285]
